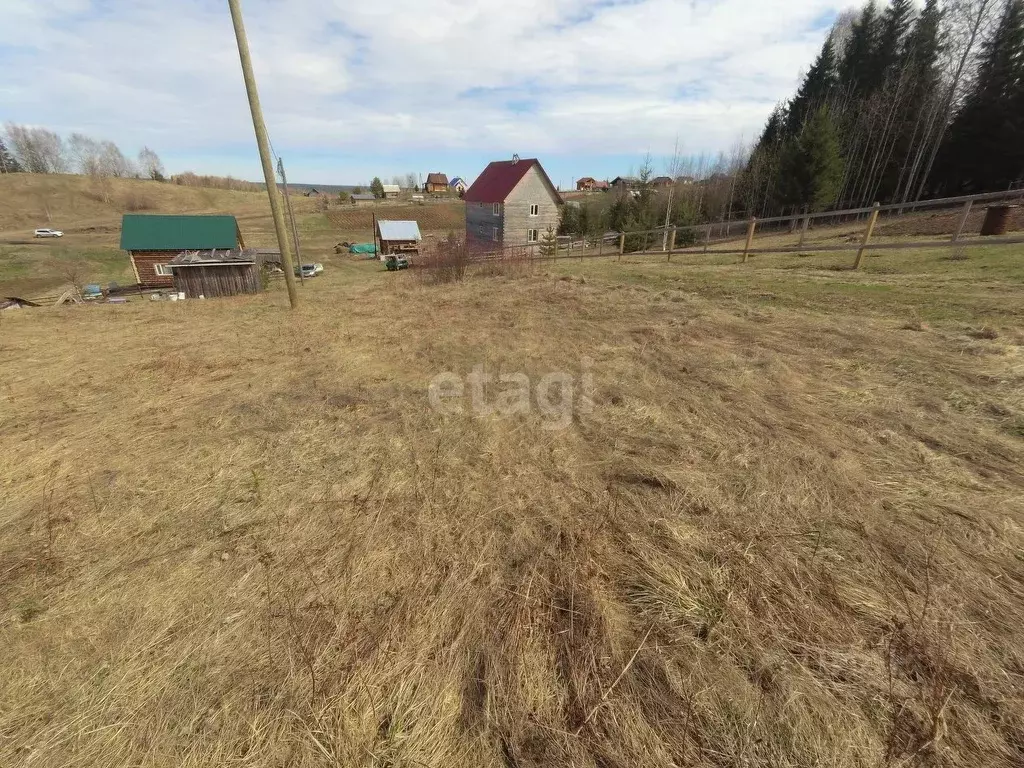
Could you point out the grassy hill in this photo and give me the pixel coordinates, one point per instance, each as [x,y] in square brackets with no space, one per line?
[90,216]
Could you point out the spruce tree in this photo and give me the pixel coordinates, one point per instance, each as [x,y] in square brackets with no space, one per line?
[8,162]
[857,63]
[815,89]
[892,31]
[377,187]
[812,166]
[985,148]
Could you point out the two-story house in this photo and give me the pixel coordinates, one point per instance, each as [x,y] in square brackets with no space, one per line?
[512,202]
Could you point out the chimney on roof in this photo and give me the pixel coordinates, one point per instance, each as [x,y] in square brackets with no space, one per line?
[515,159]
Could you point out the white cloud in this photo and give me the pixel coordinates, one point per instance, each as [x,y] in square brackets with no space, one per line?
[410,75]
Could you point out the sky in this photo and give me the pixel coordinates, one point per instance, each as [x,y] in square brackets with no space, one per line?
[353,89]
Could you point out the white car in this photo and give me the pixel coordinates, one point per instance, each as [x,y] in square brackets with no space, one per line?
[49,233]
[318,268]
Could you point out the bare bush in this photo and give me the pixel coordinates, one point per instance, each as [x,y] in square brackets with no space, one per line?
[446,262]
[136,200]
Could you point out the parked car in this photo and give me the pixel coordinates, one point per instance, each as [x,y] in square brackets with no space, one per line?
[307,270]
[318,268]
[49,233]
[393,263]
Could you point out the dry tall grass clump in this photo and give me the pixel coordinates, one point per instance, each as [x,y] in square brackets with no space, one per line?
[233,535]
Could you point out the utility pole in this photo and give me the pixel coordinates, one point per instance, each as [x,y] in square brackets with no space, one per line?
[263,142]
[291,216]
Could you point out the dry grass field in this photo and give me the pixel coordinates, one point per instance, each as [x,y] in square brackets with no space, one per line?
[787,531]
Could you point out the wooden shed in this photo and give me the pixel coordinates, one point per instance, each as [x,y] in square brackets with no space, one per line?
[398,236]
[216,273]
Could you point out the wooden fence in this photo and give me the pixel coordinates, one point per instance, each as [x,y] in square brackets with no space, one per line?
[710,238]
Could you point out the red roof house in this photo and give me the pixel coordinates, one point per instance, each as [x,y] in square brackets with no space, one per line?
[513,202]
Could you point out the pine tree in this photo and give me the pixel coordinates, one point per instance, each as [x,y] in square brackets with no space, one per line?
[377,187]
[985,148]
[815,89]
[8,162]
[812,166]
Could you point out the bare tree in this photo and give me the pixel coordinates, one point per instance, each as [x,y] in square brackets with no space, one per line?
[410,181]
[84,154]
[114,163]
[396,180]
[149,164]
[37,149]
[967,21]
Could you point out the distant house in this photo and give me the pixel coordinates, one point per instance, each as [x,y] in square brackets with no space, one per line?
[436,183]
[457,185]
[153,242]
[215,273]
[391,191]
[589,184]
[625,182]
[398,236]
[685,180]
[362,199]
[661,181]
[513,202]
[312,192]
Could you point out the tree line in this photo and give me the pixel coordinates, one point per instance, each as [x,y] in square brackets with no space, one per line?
[899,104]
[32,149]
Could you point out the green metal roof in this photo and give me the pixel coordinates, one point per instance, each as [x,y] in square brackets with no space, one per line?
[140,232]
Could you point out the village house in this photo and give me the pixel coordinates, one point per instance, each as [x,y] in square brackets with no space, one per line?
[437,183]
[513,202]
[625,182]
[391,191]
[154,241]
[590,184]
[661,182]
[457,185]
[362,198]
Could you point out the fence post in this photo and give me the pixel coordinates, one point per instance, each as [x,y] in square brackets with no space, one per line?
[750,237]
[622,245]
[803,231]
[671,243]
[707,239]
[600,244]
[963,220]
[867,235]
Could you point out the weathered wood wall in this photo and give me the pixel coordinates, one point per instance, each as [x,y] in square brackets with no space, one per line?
[213,280]
[479,221]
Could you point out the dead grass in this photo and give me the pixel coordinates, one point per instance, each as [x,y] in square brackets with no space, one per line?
[234,535]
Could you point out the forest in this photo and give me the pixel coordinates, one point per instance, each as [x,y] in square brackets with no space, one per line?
[900,104]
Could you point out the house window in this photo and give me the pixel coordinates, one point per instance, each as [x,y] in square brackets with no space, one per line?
[494,234]
[531,235]
[496,209]
[535,210]
[164,270]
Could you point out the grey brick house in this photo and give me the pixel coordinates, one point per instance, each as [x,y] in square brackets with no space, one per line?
[513,202]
